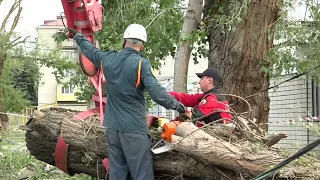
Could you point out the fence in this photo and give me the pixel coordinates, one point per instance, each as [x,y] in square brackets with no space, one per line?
[294,100]
[160,111]
[26,113]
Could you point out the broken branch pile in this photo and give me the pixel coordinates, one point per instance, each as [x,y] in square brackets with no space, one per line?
[217,151]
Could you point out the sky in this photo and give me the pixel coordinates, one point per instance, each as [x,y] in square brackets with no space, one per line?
[35,12]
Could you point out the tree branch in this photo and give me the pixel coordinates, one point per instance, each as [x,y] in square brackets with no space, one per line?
[161,12]
[16,42]
[12,9]
[16,19]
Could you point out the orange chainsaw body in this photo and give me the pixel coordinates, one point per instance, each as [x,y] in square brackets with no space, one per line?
[169,129]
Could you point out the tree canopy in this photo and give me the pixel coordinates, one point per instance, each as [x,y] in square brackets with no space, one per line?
[164,19]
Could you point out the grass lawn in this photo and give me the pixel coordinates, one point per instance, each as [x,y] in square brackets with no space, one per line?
[21,164]
[17,163]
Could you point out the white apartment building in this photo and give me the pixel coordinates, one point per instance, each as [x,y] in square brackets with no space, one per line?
[50,93]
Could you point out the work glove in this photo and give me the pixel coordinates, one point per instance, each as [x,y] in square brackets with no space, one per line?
[184,117]
[180,108]
[71,32]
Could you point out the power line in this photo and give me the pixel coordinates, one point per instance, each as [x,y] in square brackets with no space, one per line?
[52,3]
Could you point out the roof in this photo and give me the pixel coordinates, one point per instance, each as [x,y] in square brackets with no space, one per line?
[54,23]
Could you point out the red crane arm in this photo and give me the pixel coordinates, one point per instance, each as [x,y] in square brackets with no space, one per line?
[86,17]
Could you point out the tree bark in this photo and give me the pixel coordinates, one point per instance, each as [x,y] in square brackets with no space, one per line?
[4,119]
[197,153]
[240,53]
[88,146]
[191,23]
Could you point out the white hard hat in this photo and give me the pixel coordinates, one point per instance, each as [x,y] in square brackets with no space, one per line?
[135,31]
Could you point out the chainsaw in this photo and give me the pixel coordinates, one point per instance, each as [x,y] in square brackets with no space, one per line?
[169,128]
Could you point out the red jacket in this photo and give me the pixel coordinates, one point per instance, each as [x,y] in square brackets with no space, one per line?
[205,103]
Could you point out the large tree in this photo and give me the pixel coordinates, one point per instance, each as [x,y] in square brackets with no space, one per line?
[8,41]
[253,40]
[238,46]
[213,152]
[232,28]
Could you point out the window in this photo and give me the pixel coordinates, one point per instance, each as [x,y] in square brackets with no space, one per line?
[68,54]
[68,73]
[67,90]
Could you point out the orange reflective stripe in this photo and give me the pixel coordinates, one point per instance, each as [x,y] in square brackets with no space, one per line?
[139,74]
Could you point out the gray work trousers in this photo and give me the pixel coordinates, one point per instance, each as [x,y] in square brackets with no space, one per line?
[130,156]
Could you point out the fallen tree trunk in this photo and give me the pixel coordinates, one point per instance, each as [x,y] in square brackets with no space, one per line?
[197,153]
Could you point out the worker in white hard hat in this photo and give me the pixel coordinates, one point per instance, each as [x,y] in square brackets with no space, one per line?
[128,75]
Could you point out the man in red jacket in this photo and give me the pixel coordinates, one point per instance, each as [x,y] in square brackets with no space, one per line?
[209,101]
